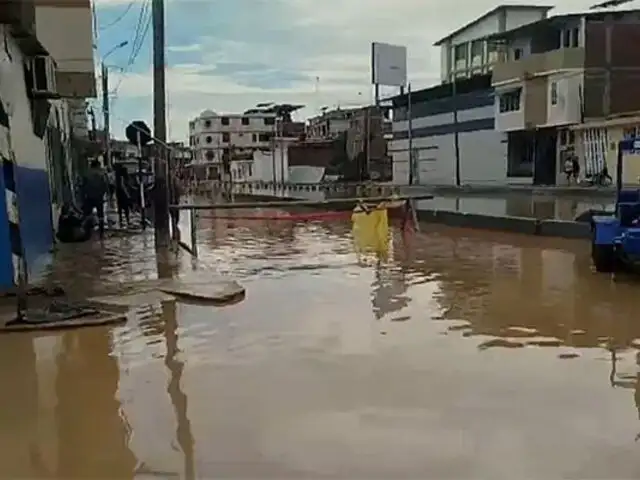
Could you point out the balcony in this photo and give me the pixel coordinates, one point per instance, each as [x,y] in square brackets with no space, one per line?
[20,15]
[539,63]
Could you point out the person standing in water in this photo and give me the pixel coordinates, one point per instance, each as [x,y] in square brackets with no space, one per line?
[94,187]
[123,199]
[175,193]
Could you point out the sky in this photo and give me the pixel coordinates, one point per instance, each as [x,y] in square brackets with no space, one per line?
[229,55]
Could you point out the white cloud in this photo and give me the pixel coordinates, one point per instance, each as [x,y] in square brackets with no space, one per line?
[184,48]
[336,50]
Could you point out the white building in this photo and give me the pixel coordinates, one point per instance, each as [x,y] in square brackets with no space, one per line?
[466,52]
[482,150]
[215,137]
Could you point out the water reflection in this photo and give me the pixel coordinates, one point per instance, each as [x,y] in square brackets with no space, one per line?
[177,396]
[93,435]
[459,354]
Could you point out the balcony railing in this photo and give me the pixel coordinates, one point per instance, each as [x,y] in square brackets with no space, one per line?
[539,63]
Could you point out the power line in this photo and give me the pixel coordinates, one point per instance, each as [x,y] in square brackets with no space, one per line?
[120,17]
[138,43]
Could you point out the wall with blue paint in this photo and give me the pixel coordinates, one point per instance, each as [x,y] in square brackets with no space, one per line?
[32,178]
[482,150]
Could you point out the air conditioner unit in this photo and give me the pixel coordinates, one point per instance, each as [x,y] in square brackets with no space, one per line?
[43,71]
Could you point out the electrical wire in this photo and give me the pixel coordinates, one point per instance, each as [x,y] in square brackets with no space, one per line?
[120,17]
[137,44]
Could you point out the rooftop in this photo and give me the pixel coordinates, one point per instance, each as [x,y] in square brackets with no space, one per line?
[559,20]
[488,14]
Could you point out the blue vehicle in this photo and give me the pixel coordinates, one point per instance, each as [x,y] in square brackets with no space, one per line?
[615,243]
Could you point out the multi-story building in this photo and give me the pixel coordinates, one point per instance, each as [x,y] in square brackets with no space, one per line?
[466,51]
[215,138]
[366,139]
[448,132]
[330,124]
[46,60]
[568,85]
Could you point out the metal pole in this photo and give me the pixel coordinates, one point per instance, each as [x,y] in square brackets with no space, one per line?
[193,220]
[281,128]
[105,111]
[161,197]
[367,143]
[410,134]
[143,206]
[608,67]
[456,139]
[273,156]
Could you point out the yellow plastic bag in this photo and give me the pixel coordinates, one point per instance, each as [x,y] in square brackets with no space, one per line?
[371,230]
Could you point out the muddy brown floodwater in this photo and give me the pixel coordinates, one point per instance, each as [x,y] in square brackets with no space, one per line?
[463,355]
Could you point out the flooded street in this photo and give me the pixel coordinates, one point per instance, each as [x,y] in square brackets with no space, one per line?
[464,354]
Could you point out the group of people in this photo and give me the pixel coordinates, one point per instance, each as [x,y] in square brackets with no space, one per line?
[572,173]
[100,186]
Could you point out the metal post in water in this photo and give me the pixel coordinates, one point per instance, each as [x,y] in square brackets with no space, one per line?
[143,215]
[193,220]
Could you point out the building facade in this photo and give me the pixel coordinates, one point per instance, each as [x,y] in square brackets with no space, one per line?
[330,124]
[481,152]
[36,128]
[557,92]
[466,51]
[216,137]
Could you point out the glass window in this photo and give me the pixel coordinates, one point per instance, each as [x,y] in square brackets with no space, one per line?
[554,93]
[510,101]
[460,52]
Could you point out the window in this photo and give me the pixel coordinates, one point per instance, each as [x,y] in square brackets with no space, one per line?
[208,139]
[265,137]
[207,124]
[245,121]
[225,121]
[269,121]
[492,52]
[566,40]
[226,138]
[567,138]
[209,155]
[510,101]
[554,93]
[575,37]
[254,137]
[460,53]
[477,52]
[517,53]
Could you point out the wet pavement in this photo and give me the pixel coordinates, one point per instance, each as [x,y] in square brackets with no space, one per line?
[464,354]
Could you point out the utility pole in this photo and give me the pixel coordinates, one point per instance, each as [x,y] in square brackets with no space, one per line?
[105,111]
[161,196]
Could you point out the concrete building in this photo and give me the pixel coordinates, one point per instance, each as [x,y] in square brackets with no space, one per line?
[554,97]
[367,138]
[466,51]
[482,150]
[213,137]
[330,124]
[35,122]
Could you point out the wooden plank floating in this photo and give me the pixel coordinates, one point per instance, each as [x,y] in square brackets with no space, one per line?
[302,203]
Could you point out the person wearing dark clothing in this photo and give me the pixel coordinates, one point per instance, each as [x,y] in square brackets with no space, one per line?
[73,226]
[123,197]
[95,187]
[576,168]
